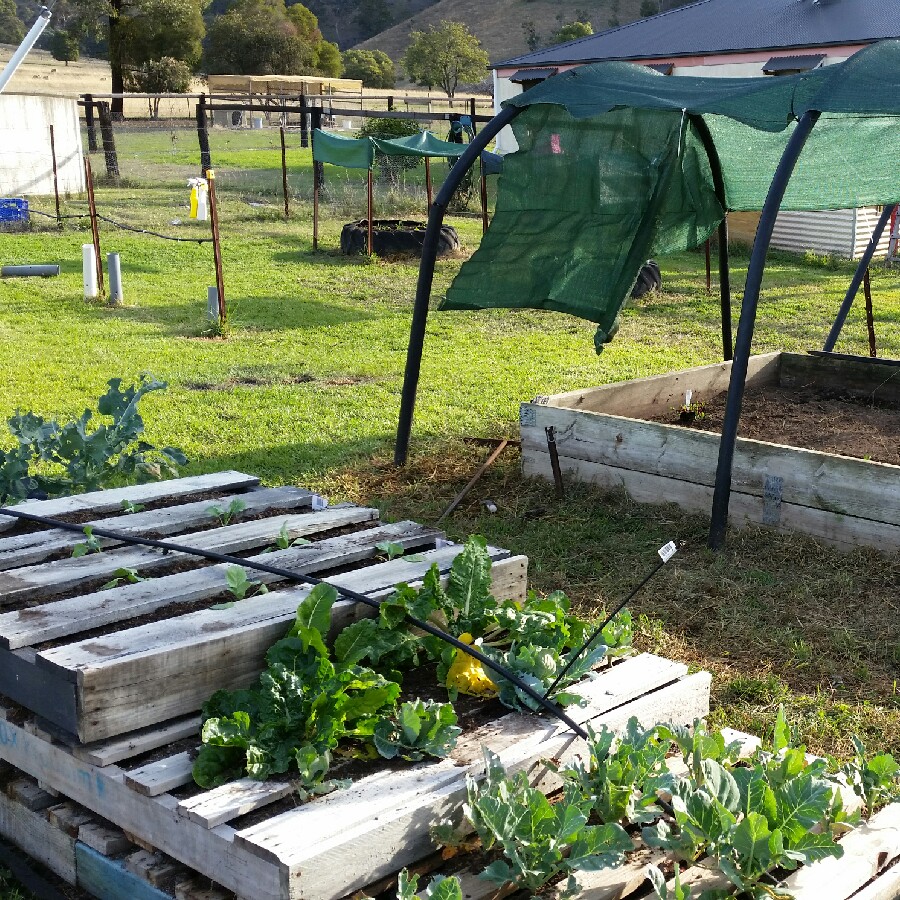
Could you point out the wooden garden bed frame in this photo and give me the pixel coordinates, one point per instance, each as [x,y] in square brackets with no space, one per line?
[603,437]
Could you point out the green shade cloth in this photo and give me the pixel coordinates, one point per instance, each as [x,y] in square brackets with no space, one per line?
[610,171]
[359,153]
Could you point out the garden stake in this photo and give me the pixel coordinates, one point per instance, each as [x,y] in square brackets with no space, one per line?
[217,244]
[203,137]
[95,231]
[870,318]
[428,180]
[665,554]
[109,141]
[550,431]
[484,215]
[284,183]
[59,223]
[498,449]
[89,122]
[369,204]
[427,627]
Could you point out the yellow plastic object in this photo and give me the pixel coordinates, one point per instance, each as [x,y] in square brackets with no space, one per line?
[194,202]
[467,674]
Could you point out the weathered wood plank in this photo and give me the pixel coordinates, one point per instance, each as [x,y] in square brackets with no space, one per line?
[111,500]
[650,396]
[155,868]
[105,753]
[836,484]
[163,775]
[867,850]
[36,546]
[46,579]
[104,792]
[49,694]
[67,618]
[884,887]
[103,837]
[31,832]
[222,804]
[109,879]
[872,379]
[27,793]
[834,528]
[134,678]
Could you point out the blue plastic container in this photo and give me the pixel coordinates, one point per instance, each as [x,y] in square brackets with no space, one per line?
[13,214]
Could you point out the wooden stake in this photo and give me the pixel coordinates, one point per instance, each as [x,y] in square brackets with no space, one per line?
[284,180]
[203,136]
[109,141]
[870,318]
[370,211]
[484,213]
[217,244]
[55,176]
[95,230]
[428,180]
[89,122]
[315,209]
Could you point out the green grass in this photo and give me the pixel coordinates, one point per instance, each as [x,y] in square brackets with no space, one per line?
[305,390]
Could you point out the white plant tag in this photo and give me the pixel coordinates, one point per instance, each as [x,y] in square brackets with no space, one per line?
[319,502]
[687,397]
[442,542]
[667,552]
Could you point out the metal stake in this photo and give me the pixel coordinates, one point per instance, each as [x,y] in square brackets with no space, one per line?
[217,245]
[550,431]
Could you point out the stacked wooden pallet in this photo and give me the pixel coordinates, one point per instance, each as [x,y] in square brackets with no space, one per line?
[103,687]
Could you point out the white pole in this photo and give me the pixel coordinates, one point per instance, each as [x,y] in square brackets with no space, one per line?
[89,271]
[36,31]
[115,278]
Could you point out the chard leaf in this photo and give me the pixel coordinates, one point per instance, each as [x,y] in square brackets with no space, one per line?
[469,584]
[315,610]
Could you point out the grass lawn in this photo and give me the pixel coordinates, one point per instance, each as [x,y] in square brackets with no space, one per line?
[305,390]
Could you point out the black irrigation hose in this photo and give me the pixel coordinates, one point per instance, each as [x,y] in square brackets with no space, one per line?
[165,237]
[37,212]
[169,547]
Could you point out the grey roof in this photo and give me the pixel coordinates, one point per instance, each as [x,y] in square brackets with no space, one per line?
[533,74]
[722,26]
[793,63]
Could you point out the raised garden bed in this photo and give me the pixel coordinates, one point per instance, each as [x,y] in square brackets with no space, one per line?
[395,237]
[625,436]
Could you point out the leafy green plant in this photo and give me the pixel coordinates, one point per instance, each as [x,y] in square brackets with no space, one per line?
[678,890]
[420,728]
[390,549]
[283,541]
[302,706]
[540,840]
[876,781]
[122,576]
[227,514]
[240,586]
[439,888]
[90,544]
[56,460]
[131,508]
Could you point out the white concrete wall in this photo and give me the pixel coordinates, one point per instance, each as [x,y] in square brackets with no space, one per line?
[503,90]
[26,167]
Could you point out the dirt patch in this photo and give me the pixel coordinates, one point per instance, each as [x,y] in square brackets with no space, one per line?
[249,381]
[812,418]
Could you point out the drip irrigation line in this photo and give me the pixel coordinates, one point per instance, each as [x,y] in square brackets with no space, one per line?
[664,558]
[37,212]
[170,547]
[165,237]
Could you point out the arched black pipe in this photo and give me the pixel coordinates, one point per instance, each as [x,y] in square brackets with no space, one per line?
[722,492]
[426,275]
[715,165]
[852,291]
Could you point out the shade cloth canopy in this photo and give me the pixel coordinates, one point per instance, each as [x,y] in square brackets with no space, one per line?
[612,169]
[359,153]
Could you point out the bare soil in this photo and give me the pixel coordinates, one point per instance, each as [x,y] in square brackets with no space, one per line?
[812,418]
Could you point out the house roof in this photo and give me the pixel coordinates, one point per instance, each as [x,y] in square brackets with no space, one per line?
[728,26]
[793,63]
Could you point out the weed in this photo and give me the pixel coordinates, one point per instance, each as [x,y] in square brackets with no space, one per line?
[226,515]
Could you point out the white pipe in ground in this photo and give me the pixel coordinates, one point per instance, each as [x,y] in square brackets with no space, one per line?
[89,271]
[115,277]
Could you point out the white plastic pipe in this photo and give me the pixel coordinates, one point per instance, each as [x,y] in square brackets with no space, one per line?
[202,204]
[115,277]
[89,271]
[43,20]
[212,302]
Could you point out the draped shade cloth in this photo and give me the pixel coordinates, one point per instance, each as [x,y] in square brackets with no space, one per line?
[359,153]
[611,170]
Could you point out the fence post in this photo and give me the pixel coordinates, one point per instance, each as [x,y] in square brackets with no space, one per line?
[217,245]
[284,180]
[472,114]
[203,137]
[89,122]
[318,168]
[304,124]
[109,141]
[95,230]
[55,176]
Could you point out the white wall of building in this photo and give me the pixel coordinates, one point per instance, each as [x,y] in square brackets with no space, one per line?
[26,166]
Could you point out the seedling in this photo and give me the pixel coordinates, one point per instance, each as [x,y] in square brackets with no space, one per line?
[283,541]
[229,513]
[130,507]
[390,549]
[91,544]
[691,410]
[122,576]
[240,586]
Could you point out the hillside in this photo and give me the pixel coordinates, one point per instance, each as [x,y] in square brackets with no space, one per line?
[500,25]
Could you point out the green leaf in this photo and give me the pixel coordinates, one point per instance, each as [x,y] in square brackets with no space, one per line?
[750,840]
[781,736]
[315,610]
[469,583]
[391,549]
[237,581]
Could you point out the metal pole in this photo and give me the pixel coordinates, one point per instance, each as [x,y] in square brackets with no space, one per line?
[284,183]
[722,492]
[55,177]
[369,204]
[109,141]
[870,317]
[472,113]
[95,230]
[428,180]
[715,166]
[708,267]
[483,185]
[89,122]
[426,276]
[203,136]
[858,276]
[217,244]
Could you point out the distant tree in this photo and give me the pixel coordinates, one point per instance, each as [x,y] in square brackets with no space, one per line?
[373,16]
[328,60]
[532,38]
[445,56]
[11,28]
[160,76]
[572,32]
[373,67]
[306,22]
[64,46]
[390,167]
[158,29]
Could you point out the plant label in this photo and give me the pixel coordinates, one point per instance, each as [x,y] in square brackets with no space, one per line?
[667,552]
